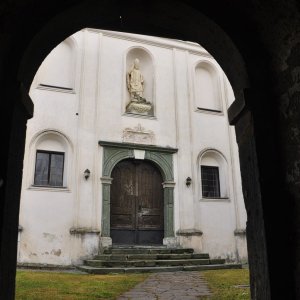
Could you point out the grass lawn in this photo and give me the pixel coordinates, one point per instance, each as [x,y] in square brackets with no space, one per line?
[228,284]
[54,286]
[31,285]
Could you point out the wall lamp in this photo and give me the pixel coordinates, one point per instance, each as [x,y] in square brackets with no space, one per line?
[188,181]
[87,173]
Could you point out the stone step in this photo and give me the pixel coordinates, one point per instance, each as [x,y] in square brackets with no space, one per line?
[151,256]
[217,261]
[135,259]
[118,270]
[148,250]
[128,246]
[149,263]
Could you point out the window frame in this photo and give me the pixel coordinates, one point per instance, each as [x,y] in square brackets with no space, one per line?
[202,167]
[49,152]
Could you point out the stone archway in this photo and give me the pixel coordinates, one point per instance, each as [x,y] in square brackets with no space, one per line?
[267,36]
[113,153]
[170,19]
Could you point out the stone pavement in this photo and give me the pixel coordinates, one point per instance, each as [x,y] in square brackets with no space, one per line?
[169,286]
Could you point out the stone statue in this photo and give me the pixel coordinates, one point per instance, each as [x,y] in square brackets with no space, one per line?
[135,84]
[135,81]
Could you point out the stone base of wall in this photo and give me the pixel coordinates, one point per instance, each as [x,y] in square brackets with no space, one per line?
[104,243]
[171,242]
[36,266]
[190,238]
[241,246]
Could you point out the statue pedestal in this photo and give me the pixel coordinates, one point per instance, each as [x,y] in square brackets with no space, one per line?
[139,108]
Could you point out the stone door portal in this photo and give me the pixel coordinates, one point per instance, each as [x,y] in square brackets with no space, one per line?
[137,203]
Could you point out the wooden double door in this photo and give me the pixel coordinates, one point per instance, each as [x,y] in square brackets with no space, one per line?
[137,204]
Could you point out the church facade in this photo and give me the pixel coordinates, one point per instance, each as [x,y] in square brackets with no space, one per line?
[129,144]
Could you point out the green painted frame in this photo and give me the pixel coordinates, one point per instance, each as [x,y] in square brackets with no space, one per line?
[161,157]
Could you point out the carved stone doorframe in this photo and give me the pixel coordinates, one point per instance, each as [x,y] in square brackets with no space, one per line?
[162,158]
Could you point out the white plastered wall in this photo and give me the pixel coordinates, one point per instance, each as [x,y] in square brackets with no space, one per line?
[94,109]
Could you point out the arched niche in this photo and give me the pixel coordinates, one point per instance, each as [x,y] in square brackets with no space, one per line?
[57,71]
[214,158]
[146,68]
[207,87]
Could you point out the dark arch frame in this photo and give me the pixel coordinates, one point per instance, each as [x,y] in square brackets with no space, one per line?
[179,22]
[175,23]
[32,29]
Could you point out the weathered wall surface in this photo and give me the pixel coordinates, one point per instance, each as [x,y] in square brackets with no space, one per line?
[93,108]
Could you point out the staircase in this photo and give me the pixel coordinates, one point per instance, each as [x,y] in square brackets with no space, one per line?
[139,259]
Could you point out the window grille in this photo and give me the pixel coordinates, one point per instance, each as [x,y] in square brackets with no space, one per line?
[210,182]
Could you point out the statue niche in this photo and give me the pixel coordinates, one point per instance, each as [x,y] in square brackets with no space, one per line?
[135,84]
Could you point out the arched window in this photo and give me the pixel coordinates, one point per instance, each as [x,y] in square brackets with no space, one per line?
[58,69]
[207,94]
[51,154]
[49,168]
[213,175]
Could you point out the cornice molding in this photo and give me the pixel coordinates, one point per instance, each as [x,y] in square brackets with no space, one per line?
[137,146]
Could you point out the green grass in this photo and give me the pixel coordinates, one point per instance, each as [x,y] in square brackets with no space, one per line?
[54,286]
[223,284]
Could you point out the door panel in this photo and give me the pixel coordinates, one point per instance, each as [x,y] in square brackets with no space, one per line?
[150,198]
[136,203]
[123,198]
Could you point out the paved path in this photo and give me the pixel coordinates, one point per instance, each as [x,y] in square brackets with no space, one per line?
[169,286]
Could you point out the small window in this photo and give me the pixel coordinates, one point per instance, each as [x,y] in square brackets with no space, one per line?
[210,182]
[49,168]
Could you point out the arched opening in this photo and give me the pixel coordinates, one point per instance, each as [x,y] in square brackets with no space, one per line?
[169,224]
[259,262]
[137,159]
[213,175]
[137,205]
[125,218]
[47,142]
